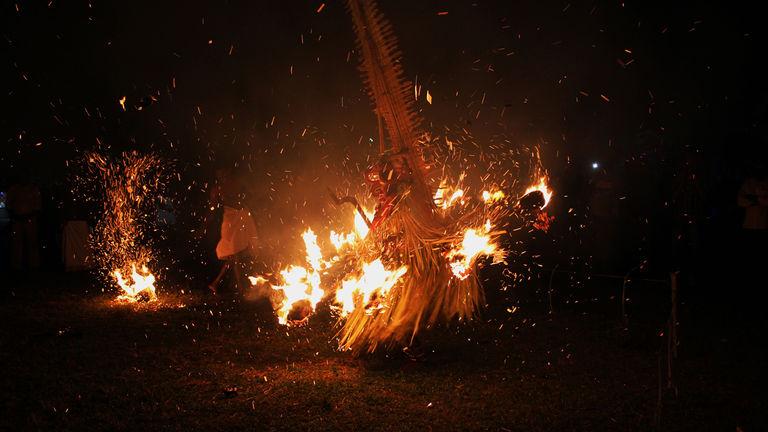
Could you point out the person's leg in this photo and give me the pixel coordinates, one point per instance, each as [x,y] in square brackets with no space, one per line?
[238,282]
[215,284]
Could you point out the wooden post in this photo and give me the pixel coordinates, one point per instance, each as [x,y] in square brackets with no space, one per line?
[659,395]
[672,340]
[671,351]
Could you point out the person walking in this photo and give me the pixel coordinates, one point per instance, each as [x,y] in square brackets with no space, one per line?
[237,233]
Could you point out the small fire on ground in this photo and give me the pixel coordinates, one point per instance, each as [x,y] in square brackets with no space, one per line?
[141,288]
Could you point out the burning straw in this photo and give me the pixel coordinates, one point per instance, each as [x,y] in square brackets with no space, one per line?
[121,243]
[381,285]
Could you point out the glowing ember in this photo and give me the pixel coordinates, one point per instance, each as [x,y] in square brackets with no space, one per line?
[370,290]
[543,221]
[475,243]
[543,188]
[121,241]
[143,286]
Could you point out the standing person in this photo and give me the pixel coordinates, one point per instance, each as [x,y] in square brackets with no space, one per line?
[753,247]
[75,249]
[23,204]
[753,197]
[238,231]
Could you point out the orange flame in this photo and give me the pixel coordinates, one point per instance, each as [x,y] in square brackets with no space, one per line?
[300,284]
[339,240]
[491,197]
[361,228]
[475,243]
[543,188]
[369,290]
[142,284]
[442,198]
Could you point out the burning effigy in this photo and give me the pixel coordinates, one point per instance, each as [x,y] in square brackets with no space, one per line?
[121,240]
[412,262]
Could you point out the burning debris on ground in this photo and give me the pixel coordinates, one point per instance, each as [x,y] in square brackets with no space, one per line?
[122,241]
[394,215]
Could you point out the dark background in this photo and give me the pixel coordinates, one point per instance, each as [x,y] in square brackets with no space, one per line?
[669,99]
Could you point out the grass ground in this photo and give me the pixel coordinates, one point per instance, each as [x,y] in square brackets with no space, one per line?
[77,361]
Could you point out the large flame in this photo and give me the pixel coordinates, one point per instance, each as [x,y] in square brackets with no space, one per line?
[543,188]
[361,227]
[300,284]
[475,243]
[314,254]
[339,240]
[143,285]
[369,290]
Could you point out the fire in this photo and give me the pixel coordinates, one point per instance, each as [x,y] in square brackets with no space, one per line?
[490,197]
[143,285]
[369,290]
[543,188]
[475,243]
[443,200]
[257,280]
[543,221]
[300,284]
[339,240]
[129,186]
[314,254]
[361,227]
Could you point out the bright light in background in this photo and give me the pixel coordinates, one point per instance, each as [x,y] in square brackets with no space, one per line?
[595,165]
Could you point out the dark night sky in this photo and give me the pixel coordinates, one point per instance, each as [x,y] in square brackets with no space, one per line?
[273,85]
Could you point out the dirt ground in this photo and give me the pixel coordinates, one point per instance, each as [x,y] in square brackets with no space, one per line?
[71,360]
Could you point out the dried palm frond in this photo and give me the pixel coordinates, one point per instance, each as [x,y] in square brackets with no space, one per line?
[390,92]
